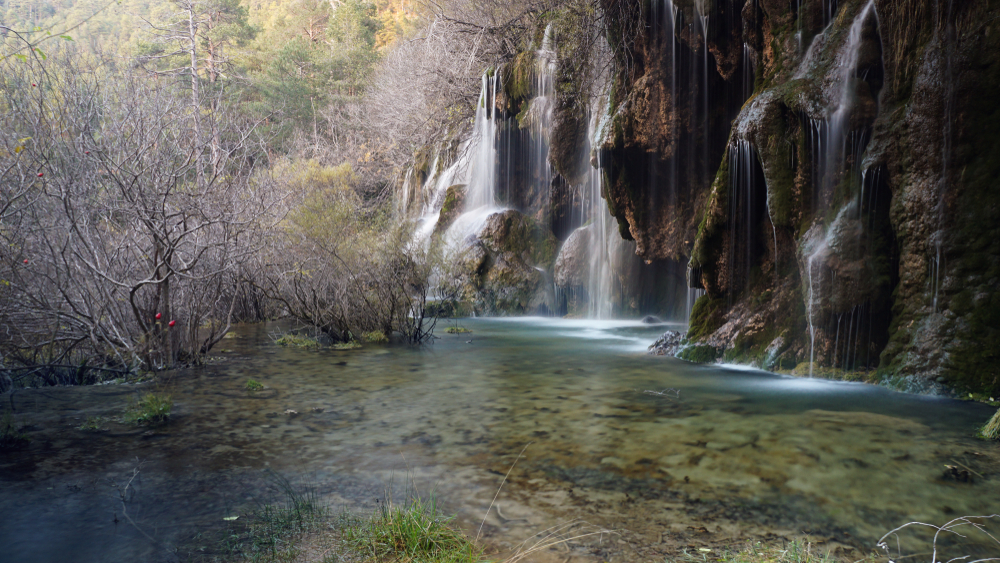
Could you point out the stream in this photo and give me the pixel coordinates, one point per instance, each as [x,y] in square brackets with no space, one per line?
[667,455]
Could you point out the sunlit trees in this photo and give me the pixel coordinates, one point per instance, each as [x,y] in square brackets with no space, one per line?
[340,264]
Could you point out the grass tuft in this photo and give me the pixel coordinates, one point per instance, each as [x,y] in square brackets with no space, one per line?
[253,385]
[375,336]
[151,409]
[93,424]
[991,430]
[412,532]
[349,345]
[793,552]
[10,432]
[268,533]
[296,340]
[457,330]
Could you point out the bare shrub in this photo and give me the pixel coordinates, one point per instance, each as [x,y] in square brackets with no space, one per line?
[114,253]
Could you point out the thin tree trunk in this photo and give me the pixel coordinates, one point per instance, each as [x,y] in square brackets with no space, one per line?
[195,95]
[168,340]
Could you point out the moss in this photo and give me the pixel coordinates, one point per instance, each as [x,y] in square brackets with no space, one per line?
[253,385]
[519,76]
[706,317]
[457,330]
[544,245]
[349,345]
[708,241]
[702,354]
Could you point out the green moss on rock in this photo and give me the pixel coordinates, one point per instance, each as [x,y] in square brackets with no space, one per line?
[706,317]
[702,354]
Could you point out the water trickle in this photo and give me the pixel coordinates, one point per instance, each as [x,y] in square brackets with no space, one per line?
[747,205]
[748,72]
[837,151]
[949,100]
[693,294]
[809,315]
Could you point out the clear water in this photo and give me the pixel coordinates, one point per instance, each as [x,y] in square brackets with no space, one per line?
[671,455]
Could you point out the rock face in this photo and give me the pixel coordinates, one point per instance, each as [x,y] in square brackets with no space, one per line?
[852,225]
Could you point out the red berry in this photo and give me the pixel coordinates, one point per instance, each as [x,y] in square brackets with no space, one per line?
[86,152]
[171,323]
[25,260]
[158,315]
[40,174]
[33,84]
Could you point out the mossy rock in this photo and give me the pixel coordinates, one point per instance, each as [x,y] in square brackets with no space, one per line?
[454,203]
[701,354]
[707,316]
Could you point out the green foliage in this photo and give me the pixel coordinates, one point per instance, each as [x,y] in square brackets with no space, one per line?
[11,435]
[150,409]
[457,330]
[253,385]
[349,345]
[375,336]
[414,532]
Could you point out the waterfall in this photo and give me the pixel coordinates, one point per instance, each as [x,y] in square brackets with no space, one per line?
[481,198]
[540,119]
[435,190]
[482,180]
[603,245]
[832,142]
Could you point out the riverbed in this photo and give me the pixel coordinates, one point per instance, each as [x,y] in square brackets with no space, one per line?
[652,456]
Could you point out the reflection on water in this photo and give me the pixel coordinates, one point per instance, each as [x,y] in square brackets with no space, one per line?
[673,455]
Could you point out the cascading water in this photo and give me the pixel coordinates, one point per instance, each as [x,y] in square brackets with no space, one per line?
[936,263]
[836,153]
[605,244]
[482,180]
[747,205]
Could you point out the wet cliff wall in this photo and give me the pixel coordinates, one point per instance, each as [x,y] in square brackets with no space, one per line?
[849,226]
